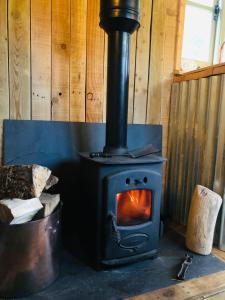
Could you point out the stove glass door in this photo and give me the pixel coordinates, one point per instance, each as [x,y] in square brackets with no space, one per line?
[133,207]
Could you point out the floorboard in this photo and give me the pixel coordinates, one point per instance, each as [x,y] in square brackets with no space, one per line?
[207,287]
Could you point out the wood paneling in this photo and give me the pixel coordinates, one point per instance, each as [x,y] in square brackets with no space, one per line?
[105,76]
[179,33]
[60,60]
[19,58]
[4,84]
[168,65]
[162,63]
[142,63]
[78,60]
[133,50]
[41,66]
[95,64]
[158,33]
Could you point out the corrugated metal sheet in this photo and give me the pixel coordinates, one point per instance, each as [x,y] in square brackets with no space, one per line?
[196,143]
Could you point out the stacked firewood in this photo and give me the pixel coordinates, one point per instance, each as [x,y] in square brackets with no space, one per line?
[21,193]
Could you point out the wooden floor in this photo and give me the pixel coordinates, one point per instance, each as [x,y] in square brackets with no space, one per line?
[210,287]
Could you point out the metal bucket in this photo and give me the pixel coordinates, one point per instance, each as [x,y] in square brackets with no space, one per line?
[29,256]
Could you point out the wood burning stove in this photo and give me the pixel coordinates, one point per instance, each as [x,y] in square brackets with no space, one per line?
[120,206]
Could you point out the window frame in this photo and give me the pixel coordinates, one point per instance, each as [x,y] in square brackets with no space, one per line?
[215,40]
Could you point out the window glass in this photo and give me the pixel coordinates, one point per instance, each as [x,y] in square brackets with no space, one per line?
[197,33]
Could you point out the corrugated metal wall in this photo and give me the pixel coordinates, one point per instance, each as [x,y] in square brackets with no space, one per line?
[196,141]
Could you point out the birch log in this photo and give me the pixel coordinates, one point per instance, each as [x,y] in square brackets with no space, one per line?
[202,217]
[52,180]
[23,181]
[49,203]
[17,211]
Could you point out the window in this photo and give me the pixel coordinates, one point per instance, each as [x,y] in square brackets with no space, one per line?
[203,33]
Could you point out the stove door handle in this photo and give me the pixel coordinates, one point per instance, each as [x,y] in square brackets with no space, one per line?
[117,236]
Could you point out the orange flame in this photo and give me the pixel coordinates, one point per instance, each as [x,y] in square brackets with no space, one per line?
[133,207]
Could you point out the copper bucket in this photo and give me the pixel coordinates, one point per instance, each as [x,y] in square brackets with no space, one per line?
[29,256]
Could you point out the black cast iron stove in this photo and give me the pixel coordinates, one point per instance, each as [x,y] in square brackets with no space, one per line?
[121,192]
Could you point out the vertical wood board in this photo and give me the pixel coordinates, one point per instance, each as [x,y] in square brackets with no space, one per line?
[142,63]
[105,76]
[60,60]
[78,60]
[168,65]
[41,65]
[179,34]
[154,104]
[4,84]
[19,58]
[95,64]
[167,72]
[133,50]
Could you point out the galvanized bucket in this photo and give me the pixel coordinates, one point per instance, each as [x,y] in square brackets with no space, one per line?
[29,256]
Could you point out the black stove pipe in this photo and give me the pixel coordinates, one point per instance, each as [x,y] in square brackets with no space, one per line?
[119,18]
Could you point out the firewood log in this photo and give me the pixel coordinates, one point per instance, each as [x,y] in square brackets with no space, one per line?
[49,203]
[202,217]
[53,180]
[17,211]
[22,181]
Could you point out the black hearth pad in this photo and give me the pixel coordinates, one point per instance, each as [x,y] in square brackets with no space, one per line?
[79,281]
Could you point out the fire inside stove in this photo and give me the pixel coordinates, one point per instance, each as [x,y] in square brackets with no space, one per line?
[133,207]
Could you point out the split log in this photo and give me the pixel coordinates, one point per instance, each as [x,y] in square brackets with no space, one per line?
[17,211]
[49,203]
[23,181]
[202,217]
[53,180]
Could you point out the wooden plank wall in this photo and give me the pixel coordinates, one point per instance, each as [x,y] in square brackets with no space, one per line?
[19,58]
[4,74]
[53,58]
[196,141]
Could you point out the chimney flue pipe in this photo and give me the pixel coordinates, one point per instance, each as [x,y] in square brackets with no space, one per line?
[119,18]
